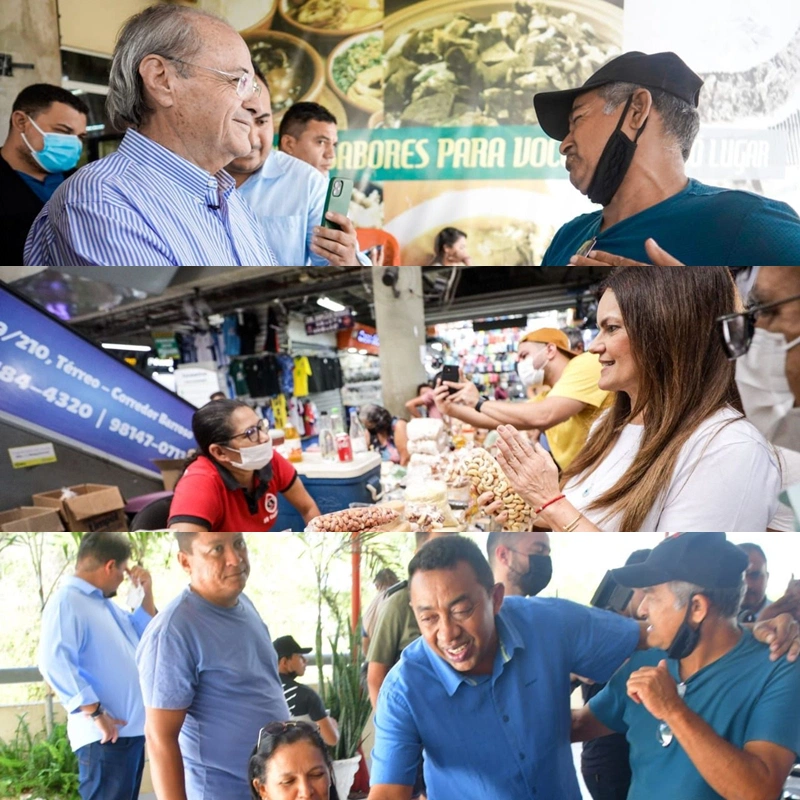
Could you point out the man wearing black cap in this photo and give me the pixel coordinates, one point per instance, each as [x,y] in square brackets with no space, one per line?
[708,712]
[303,701]
[626,134]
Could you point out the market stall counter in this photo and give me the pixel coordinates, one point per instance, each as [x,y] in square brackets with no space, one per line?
[333,485]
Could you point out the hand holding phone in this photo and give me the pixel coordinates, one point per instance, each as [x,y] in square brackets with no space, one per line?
[450,373]
[340,191]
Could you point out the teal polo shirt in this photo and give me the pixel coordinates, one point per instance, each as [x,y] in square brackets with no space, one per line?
[504,736]
[743,696]
[701,226]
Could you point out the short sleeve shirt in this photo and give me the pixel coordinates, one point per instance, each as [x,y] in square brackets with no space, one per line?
[395,629]
[743,696]
[302,700]
[518,717]
[302,372]
[219,665]
[577,382]
[208,495]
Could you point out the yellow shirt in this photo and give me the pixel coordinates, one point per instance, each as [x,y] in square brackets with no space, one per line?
[302,369]
[577,382]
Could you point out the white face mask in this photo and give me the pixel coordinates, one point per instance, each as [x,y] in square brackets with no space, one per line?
[528,374]
[256,457]
[761,378]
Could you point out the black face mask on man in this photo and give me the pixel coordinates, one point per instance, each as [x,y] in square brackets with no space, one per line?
[686,639]
[536,579]
[614,162]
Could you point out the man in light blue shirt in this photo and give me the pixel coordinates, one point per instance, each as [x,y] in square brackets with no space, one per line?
[708,714]
[179,84]
[485,691]
[209,676]
[288,197]
[87,655]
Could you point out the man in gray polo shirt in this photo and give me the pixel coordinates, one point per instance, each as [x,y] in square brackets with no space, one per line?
[209,676]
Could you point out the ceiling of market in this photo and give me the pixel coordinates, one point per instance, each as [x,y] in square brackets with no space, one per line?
[103,309]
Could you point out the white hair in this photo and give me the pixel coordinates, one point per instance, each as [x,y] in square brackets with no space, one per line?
[166,30]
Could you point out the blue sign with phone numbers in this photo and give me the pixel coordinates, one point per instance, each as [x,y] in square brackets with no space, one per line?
[54,378]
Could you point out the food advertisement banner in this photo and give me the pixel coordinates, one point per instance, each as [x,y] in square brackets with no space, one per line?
[434,101]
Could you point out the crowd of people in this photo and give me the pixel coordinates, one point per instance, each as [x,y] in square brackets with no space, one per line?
[196,179]
[469,672]
[681,414]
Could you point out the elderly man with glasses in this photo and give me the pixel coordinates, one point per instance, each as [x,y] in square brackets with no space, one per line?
[180,84]
[765,342]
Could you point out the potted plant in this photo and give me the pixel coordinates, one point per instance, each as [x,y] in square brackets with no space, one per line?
[349,704]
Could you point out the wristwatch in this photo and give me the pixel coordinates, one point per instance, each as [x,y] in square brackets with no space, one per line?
[98,712]
[481,401]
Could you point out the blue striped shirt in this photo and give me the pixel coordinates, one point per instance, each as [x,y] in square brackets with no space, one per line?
[144,205]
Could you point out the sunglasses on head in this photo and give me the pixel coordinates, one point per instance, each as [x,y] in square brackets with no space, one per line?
[279,728]
[736,330]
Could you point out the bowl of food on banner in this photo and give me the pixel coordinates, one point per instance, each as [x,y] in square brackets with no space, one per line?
[294,70]
[355,71]
[463,63]
[332,17]
[249,16]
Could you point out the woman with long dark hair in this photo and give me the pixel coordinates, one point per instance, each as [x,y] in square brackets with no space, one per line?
[674,452]
[291,762]
[386,434]
[233,481]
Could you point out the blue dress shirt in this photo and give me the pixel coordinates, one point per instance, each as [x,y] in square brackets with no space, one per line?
[504,736]
[144,205]
[288,197]
[88,655]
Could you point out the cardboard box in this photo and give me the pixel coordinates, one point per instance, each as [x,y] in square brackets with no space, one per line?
[96,508]
[171,469]
[30,518]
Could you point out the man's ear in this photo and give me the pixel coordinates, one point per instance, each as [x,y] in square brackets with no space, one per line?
[159,79]
[287,144]
[641,106]
[701,608]
[18,120]
[183,560]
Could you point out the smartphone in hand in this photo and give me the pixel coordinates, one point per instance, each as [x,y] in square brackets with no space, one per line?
[450,373]
[338,199]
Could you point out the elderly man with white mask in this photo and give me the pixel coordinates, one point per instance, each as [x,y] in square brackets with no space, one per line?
[765,341]
[180,84]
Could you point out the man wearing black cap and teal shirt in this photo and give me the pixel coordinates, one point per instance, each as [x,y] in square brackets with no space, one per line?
[708,712]
[626,135]
[303,701]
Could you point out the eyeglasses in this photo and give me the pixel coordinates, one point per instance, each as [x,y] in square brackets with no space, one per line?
[253,434]
[736,330]
[246,84]
[278,728]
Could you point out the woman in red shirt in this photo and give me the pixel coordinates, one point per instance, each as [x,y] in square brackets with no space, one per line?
[233,483]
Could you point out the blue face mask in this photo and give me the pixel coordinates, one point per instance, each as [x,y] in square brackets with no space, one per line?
[61,151]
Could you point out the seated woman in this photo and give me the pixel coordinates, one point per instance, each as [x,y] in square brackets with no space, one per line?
[232,483]
[674,452]
[426,399]
[290,762]
[386,434]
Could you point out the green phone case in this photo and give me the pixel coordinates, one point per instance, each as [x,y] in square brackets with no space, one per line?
[339,202]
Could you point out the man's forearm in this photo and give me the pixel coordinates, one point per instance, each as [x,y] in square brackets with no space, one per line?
[376,675]
[523,416]
[475,418]
[166,769]
[730,771]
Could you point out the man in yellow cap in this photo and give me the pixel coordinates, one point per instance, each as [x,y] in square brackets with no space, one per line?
[566,412]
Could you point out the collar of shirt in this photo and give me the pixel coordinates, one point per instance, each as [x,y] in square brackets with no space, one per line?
[206,187]
[263,477]
[509,640]
[274,166]
[84,586]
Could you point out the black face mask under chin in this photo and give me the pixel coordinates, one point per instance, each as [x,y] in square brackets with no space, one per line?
[614,162]
[536,579]
[686,639]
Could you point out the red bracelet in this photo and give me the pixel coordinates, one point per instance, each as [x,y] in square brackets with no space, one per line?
[549,503]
